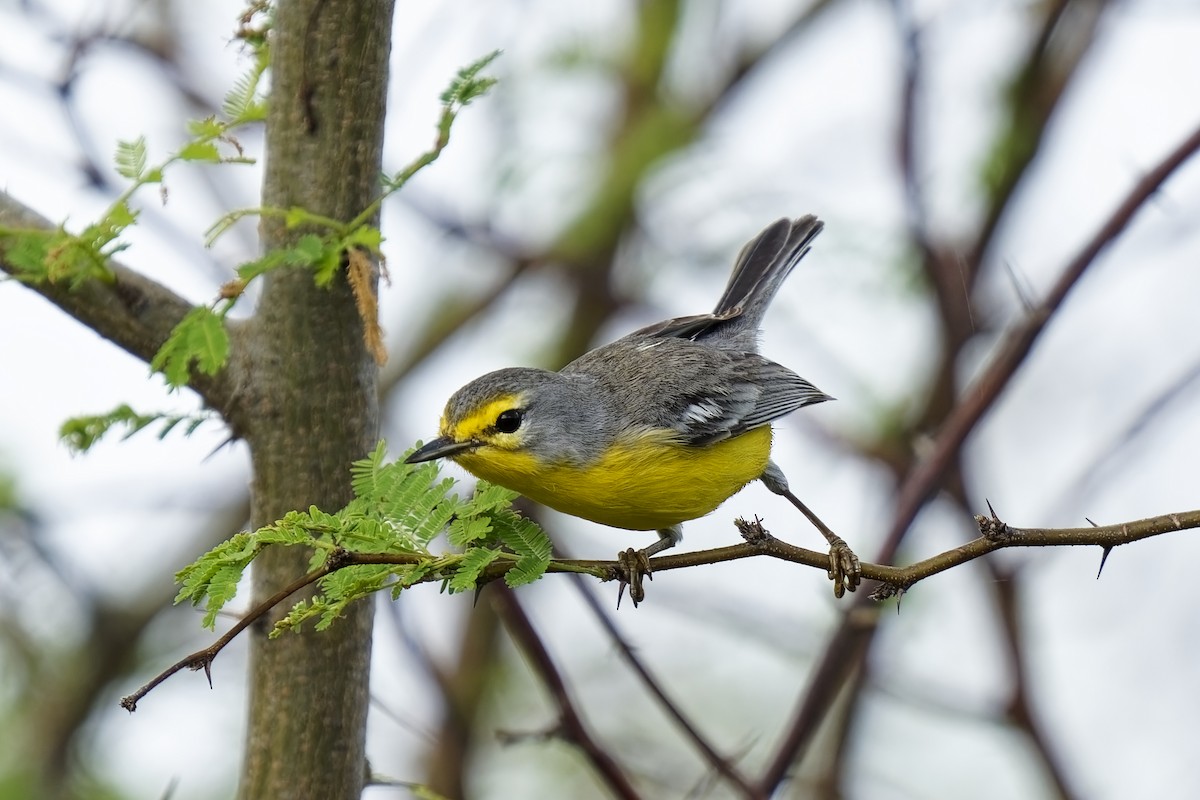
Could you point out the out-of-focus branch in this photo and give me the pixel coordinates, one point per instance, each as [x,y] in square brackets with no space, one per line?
[752,58]
[1020,712]
[133,311]
[60,700]
[463,688]
[719,763]
[982,393]
[906,138]
[571,724]
[1067,32]
[852,637]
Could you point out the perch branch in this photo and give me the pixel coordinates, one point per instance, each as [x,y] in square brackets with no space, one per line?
[994,535]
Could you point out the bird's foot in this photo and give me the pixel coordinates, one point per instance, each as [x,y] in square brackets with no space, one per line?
[844,568]
[632,566]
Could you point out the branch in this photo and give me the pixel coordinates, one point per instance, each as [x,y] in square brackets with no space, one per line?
[994,535]
[980,396]
[571,724]
[202,659]
[133,311]
[850,640]
[1021,710]
[715,759]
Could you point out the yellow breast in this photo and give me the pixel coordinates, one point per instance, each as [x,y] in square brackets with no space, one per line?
[647,483]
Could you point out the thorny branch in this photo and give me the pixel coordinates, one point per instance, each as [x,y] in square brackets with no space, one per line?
[994,535]
[846,647]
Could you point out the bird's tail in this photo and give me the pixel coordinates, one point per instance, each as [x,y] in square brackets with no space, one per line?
[763,266]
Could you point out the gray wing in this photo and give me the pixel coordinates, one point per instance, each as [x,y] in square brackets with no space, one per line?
[703,393]
[754,393]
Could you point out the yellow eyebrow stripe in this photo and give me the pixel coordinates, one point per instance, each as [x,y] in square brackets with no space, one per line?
[474,424]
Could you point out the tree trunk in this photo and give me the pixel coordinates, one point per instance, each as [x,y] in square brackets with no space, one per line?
[311,407]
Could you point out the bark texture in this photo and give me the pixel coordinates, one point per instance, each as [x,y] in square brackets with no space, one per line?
[311,405]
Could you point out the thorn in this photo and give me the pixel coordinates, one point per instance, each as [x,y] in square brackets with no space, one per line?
[1103,559]
[478,591]
[208,671]
[230,439]
[991,510]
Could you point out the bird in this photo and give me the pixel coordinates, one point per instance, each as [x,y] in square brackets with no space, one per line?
[655,429]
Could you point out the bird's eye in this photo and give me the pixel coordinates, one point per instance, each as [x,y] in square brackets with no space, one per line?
[510,420]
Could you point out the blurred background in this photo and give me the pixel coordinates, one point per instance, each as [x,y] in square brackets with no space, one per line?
[960,153]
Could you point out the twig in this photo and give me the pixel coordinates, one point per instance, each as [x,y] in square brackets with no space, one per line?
[570,723]
[202,659]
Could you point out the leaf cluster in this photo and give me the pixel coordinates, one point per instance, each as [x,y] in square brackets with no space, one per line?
[327,247]
[81,433]
[382,540]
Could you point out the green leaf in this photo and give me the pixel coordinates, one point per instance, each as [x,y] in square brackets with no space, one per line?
[76,259]
[80,434]
[527,570]
[199,337]
[529,542]
[474,561]
[300,613]
[466,530]
[467,85]
[119,217]
[28,252]
[328,266]
[398,508]
[200,151]
[260,266]
[207,128]
[308,249]
[242,103]
[131,158]
[364,236]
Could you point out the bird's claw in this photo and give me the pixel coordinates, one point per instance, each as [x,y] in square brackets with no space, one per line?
[632,566]
[844,568]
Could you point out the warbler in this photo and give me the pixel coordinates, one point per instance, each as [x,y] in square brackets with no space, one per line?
[655,429]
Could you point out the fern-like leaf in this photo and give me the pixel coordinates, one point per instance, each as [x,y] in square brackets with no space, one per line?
[529,542]
[474,561]
[80,434]
[467,85]
[131,158]
[200,338]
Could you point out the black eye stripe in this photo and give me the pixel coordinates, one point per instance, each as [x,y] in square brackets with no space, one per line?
[509,420]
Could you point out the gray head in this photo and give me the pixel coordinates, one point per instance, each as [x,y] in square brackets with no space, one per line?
[520,409]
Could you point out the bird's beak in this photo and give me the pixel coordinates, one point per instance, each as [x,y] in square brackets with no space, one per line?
[441,447]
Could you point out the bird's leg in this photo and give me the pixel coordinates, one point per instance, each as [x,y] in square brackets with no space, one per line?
[844,568]
[635,564]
